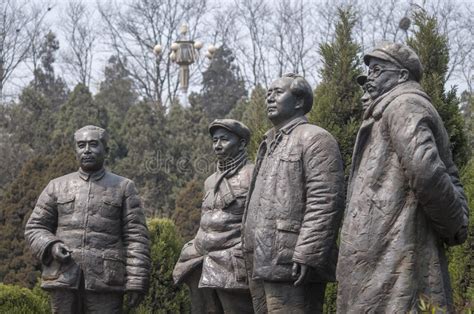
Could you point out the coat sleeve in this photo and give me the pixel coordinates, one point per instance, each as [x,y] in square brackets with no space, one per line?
[136,241]
[435,182]
[41,226]
[324,182]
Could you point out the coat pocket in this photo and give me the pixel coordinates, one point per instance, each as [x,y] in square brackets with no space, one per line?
[66,204]
[114,269]
[110,208]
[285,240]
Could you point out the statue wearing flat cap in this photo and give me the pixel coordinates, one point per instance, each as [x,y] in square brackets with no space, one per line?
[212,264]
[404,201]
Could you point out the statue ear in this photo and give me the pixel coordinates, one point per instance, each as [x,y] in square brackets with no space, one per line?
[299,103]
[404,76]
[243,144]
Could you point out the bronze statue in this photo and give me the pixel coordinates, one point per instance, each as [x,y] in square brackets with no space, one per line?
[212,264]
[89,232]
[404,200]
[294,206]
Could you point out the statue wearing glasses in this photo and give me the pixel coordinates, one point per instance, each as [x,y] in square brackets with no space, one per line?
[404,200]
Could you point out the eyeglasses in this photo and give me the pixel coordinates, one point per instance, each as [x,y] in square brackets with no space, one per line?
[376,71]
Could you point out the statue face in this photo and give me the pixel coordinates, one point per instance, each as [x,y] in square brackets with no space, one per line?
[226,144]
[90,151]
[382,77]
[281,103]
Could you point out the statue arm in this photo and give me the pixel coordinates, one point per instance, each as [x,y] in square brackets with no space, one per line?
[324,180]
[41,226]
[136,241]
[443,201]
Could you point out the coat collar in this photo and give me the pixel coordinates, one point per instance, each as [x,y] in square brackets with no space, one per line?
[378,106]
[287,129]
[94,176]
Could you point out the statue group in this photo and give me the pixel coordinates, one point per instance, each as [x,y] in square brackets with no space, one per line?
[267,239]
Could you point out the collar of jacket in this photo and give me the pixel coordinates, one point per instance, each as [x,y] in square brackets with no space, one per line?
[377,107]
[290,126]
[95,176]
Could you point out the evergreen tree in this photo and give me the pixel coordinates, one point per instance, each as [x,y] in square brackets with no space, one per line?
[17,265]
[337,106]
[432,48]
[45,81]
[80,110]
[222,85]
[143,134]
[163,296]
[187,214]
[255,118]
[116,94]
[461,258]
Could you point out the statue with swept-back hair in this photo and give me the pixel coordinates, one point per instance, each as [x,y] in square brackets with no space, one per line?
[294,207]
[88,230]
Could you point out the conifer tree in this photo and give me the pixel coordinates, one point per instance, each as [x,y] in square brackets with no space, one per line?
[116,95]
[337,106]
[80,110]
[255,118]
[165,246]
[432,48]
[222,84]
[17,265]
[143,134]
[187,214]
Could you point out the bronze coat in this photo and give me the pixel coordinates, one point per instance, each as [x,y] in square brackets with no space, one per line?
[101,220]
[404,200]
[218,241]
[295,214]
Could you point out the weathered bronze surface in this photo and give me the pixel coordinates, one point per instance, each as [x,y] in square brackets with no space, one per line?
[215,253]
[295,206]
[89,231]
[404,200]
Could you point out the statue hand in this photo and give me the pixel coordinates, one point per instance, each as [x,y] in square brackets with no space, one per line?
[61,252]
[299,271]
[135,298]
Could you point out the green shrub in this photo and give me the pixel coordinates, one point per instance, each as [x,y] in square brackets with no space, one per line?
[163,296]
[15,299]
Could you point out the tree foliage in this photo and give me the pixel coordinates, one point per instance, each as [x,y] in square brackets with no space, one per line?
[337,106]
[433,50]
[163,296]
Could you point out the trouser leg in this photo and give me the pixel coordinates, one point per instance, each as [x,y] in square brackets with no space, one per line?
[64,301]
[235,301]
[203,300]
[255,286]
[103,302]
[284,297]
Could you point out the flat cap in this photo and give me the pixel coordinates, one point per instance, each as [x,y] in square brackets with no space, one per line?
[233,126]
[398,54]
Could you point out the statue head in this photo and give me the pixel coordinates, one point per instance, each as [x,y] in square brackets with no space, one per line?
[288,97]
[365,99]
[391,64]
[91,147]
[229,138]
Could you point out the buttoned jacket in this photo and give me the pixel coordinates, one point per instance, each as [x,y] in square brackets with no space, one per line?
[99,217]
[296,215]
